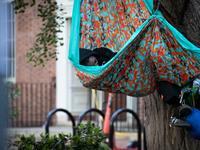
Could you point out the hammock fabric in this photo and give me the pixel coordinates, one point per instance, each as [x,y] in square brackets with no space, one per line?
[149,48]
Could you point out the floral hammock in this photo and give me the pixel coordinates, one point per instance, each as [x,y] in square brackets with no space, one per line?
[149,48]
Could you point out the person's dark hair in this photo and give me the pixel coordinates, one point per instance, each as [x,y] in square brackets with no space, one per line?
[85,62]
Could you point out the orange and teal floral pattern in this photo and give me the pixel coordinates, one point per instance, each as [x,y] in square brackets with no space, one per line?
[106,23]
[153,56]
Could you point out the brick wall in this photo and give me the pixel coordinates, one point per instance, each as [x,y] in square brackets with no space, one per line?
[28,25]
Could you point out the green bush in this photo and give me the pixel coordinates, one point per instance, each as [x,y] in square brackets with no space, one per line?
[88,137]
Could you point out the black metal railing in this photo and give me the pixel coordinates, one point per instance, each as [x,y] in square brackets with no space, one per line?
[124,122]
[52,112]
[33,104]
[38,99]
[138,125]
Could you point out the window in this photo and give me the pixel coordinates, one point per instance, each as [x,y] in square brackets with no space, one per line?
[10,42]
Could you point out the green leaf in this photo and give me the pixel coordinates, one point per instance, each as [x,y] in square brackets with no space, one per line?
[104,146]
[96,130]
[16,92]
[25,4]
[41,54]
[28,54]
[41,6]
[41,61]
[21,11]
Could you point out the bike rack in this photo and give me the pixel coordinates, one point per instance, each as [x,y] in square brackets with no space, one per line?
[50,114]
[80,118]
[113,118]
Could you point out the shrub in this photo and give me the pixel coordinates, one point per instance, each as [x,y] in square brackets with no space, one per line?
[88,137]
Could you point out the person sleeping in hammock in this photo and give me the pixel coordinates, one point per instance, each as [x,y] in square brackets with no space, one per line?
[96,57]
[100,56]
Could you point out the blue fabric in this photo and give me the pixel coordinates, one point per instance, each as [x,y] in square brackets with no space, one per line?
[194,121]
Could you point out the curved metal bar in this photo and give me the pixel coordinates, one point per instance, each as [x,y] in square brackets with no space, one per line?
[113,118]
[80,118]
[50,114]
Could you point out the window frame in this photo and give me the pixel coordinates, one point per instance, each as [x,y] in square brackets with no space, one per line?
[10,77]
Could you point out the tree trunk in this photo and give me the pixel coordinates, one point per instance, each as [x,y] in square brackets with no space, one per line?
[159,136]
[191,18]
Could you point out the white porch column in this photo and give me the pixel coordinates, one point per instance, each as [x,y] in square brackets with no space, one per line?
[61,66]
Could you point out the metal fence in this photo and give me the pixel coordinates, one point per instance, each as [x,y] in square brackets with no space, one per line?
[33,104]
[125,122]
[38,99]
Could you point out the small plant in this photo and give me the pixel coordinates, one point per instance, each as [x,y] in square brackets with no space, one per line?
[88,137]
[12,94]
[46,142]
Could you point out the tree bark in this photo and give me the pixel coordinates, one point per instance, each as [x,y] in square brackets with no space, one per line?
[191,18]
[159,136]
